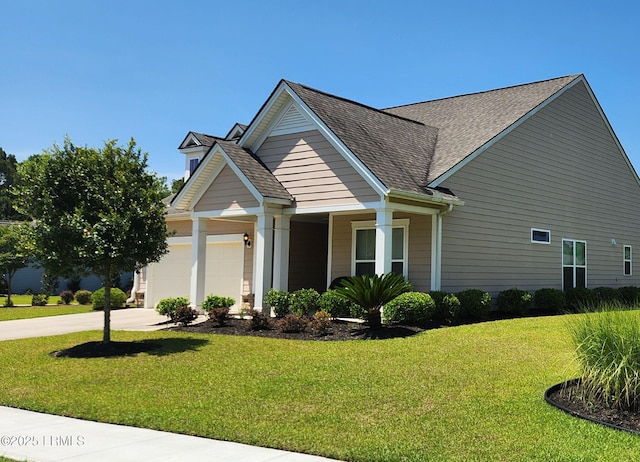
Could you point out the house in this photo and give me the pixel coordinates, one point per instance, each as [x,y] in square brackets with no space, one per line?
[525,186]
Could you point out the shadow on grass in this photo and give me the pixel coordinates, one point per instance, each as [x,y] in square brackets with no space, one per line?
[155,347]
[385,332]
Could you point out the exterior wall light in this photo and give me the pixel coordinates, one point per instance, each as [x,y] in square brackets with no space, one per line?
[247,241]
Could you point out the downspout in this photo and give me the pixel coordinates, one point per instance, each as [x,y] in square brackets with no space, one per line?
[134,289]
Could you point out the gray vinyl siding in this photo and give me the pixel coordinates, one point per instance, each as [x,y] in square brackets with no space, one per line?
[226,193]
[560,170]
[313,171]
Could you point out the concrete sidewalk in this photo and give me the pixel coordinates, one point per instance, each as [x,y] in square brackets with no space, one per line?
[126,319]
[26,435]
[36,437]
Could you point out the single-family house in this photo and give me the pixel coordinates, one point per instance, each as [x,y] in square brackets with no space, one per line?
[525,186]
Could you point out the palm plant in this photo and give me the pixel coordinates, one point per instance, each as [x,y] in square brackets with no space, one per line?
[371,292]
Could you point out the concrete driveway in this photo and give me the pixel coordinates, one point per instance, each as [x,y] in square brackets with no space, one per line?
[139,319]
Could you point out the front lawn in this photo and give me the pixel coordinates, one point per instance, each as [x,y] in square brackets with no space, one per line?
[28,312]
[464,393]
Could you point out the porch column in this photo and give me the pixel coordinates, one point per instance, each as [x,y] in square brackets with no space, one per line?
[436,251]
[198,262]
[282,233]
[384,230]
[263,258]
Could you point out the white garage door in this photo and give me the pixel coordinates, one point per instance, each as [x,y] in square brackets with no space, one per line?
[171,276]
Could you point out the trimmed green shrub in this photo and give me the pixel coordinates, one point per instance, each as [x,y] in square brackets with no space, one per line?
[169,306]
[219,315]
[549,299]
[292,323]
[260,320]
[185,315]
[39,299]
[446,304]
[605,295]
[410,308]
[304,301]
[66,296]
[217,301]
[118,297]
[320,323]
[474,305]
[628,295]
[514,301]
[279,301]
[580,299]
[83,297]
[335,304]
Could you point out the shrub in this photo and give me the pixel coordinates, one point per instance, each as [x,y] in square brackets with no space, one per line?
[219,315]
[514,301]
[304,301]
[605,295]
[321,322]
[474,305]
[410,308]
[580,299]
[292,323]
[39,299]
[607,344]
[260,320]
[83,297]
[245,311]
[335,305]
[629,295]
[217,301]
[169,306]
[446,303]
[279,301]
[184,315]
[549,299]
[118,297]
[66,296]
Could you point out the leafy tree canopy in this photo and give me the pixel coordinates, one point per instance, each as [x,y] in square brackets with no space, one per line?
[94,210]
[8,180]
[15,252]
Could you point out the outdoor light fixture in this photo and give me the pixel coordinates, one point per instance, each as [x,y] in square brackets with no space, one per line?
[247,241]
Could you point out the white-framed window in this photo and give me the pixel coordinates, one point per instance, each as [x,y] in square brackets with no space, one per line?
[363,250]
[540,236]
[627,260]
[574,263]
[193,164]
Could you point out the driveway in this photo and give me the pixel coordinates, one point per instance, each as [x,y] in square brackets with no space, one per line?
[139,319]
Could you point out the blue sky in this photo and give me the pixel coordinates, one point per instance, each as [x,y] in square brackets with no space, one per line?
[154,70]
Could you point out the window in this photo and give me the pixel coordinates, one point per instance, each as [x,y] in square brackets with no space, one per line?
[574,264]
[364,247]
[627,260]
[540,236]
[193,163]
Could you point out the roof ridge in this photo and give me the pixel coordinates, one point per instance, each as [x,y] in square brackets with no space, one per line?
[347,100]
[575,76]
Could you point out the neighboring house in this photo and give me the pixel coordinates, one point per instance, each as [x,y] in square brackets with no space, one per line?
[526,186]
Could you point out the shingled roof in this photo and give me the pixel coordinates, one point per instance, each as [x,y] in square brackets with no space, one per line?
[467,122]
[397,150]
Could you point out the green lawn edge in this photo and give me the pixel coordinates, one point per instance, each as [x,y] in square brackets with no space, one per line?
[29,312]
[471,392]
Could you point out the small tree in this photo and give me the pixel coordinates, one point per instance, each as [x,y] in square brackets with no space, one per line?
[371,292]
[94,211]
[14,253]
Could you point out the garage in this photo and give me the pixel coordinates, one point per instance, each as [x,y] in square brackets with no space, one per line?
[171,276]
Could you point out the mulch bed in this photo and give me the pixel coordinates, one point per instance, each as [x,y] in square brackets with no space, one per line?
[338,331]
[565,396]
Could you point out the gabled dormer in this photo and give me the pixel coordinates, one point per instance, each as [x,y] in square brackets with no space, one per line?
[194,147]
[236,132]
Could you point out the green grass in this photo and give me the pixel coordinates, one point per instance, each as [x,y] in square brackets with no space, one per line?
[465,393]
[28,312]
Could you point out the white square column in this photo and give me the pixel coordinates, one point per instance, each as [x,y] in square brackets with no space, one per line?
[263,258]
[282,235]
[436,251]
[198,262]
[384,233]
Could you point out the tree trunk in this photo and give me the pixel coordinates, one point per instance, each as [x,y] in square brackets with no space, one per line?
[106,333]
[374,318]
[9,278]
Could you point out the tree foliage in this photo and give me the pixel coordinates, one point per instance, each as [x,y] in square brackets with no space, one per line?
[8,180]
[15,252]
[94,211]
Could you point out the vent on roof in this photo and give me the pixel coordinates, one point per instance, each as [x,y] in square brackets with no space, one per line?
[291,122]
